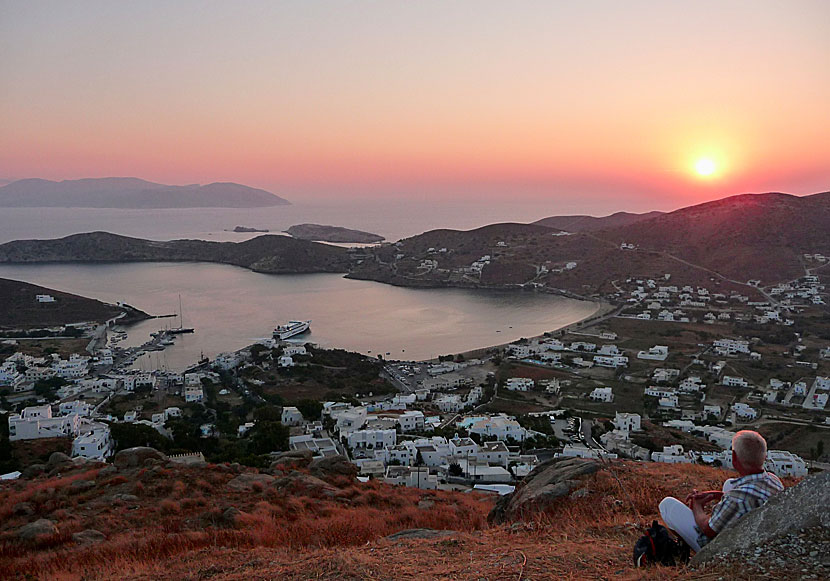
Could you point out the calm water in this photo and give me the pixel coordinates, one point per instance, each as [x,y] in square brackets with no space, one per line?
[393,220]
[231,307]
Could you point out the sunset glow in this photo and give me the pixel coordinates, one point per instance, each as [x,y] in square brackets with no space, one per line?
[597,104]
[705,167]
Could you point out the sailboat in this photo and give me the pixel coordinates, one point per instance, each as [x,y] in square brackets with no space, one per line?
[181,328]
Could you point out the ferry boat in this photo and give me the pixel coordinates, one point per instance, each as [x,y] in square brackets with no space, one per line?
[283,332]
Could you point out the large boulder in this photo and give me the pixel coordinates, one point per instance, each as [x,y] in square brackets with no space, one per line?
[139,456]
[332,466]
[301,483]
[36,529]
[56,459]
[796,518]
[548,482]
[250,481]
[291,460]
[88,537]
[420,534]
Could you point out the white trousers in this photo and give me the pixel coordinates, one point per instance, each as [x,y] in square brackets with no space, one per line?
[680,518]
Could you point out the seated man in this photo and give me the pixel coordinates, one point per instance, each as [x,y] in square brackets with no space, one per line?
[740,495]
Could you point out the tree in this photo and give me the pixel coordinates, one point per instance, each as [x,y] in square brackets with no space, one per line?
[266,437]
[133,435]
[267,413]
[455,469]
[310,408]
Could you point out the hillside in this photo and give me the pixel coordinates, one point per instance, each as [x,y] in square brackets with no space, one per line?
[270,254]
[743,237]
[592,223]
[132,193]
[730,242]
[20,310]
[148,518]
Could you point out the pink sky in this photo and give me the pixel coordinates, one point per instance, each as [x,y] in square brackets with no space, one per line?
[610,102]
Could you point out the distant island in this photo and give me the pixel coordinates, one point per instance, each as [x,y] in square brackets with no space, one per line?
[246,229]
[321,233]
[132,193]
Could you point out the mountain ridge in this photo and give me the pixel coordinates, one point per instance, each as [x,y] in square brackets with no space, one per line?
[132,193]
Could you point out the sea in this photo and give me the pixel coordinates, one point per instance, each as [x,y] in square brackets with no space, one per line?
[231,307]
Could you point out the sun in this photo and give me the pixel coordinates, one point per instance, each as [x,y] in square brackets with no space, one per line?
[705,167]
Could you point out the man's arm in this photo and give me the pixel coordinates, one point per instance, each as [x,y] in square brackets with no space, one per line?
[701,518]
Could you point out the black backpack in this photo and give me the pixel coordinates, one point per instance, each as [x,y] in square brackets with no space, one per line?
[658,546]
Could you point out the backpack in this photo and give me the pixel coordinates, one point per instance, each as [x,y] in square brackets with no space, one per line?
[658,546]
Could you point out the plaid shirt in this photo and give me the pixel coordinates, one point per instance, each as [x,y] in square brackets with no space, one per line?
[747,492]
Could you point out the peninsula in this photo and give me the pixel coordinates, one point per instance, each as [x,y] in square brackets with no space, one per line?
[321,233]
[270,254]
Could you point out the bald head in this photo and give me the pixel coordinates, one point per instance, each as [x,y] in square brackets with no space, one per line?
[750,449]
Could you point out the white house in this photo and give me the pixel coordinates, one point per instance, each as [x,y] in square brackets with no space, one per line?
[413,477]
[612,361]
[291,416]
[744,411]
[672,455]
[656,353]
[519,384]
[193,393]
[731,346]
[371,439]
[604,394]
[411,421]
[95,443]
[692,384]
[502,427]
[731,381]
[82,408]
[37,422]
[783,463]
[627,422]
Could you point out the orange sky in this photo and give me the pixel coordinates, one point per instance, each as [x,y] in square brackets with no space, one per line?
[608,101]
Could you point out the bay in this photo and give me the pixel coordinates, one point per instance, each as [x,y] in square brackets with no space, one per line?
[231,307]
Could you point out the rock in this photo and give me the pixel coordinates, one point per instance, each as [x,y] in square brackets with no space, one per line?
[249,481]
[420,534]
[230,514]
[38,528]
[131,499]
[56,459]
[332,466]
[300,482]
[33,471]
[23,509]
[107,471]
[88,537]
[548,482]
[134,457]
[426,504]
[799,508]
[291,460]
[81,485]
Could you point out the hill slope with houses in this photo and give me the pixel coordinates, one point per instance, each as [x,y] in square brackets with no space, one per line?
[766,237]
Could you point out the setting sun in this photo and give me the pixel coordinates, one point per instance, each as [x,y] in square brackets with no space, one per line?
[705,167]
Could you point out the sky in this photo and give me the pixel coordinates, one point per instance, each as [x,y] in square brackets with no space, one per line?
[607,104]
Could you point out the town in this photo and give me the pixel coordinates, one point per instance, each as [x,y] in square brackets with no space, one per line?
[668,375]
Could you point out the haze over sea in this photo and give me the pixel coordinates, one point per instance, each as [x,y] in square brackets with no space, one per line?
[231,307]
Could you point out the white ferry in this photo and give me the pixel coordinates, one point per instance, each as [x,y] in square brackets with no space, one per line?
[283,332]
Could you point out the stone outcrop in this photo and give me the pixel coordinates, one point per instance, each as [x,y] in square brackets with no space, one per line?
[291,460]
[139,456]
[548,482]
[249,481]
[420,534]
[799,512]
[36,529]
[332,466]
[88,537]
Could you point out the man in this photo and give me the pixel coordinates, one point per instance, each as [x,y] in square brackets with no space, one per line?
[740,495]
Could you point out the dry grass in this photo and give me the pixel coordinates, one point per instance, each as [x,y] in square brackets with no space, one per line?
[179,529]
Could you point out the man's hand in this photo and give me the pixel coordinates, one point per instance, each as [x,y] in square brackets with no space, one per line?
[703,498]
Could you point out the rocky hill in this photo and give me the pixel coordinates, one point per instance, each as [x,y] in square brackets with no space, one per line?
[132,193]
[270,254]
[147,516]
[592,223]
[338,234]
[731,241]
[20,310]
